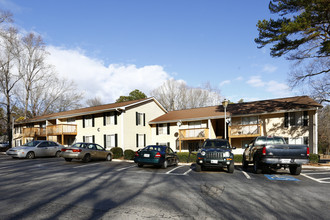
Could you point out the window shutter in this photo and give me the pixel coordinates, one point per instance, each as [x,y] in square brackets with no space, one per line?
[105,141]
[93,139]
[168,128]
[116,140]
[145,139]
[157,129]
[83,121]
[93,121]
[137,140]
[144,119]
[286,120]
[104,119]
[83,138]
[305,118]
[115,115]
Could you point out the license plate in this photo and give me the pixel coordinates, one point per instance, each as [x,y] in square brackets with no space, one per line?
[214,161]
[146,155]
[286,160]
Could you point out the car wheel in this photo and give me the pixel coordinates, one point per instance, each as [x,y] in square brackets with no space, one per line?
[30,155]
[108,158]
[164,166]
[198,168]
[245,164]
[86,158]
[68,159]
[231,167]
[256,167]
[295,169]
[58,154]
[176,163]
[140,165]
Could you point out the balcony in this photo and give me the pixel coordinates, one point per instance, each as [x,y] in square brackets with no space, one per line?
[240,131]
[52,130]
[193,134]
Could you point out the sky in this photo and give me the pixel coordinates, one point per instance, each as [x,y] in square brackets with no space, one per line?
[112,47]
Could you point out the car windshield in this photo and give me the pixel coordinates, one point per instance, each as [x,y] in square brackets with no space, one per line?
[32,144]
[216,144]
[269,140]
[155,148]
[82,145]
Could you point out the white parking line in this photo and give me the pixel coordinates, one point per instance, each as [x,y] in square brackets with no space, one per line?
[86,165]
[317,180]
[245,174]
[188,171]
[173,169]
[125,168]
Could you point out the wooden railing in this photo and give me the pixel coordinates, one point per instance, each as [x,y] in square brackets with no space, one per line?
[64,129]
[251,130]
[193,134]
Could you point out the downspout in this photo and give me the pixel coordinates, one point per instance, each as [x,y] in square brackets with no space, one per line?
[316,132]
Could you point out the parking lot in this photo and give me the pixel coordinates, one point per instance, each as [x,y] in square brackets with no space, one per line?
[50,188]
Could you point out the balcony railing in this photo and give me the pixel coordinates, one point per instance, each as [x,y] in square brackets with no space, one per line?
[250,130]
[61,130]
[51,131]
[194,133]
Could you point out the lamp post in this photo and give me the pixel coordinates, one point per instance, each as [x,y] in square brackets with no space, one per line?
[225,104]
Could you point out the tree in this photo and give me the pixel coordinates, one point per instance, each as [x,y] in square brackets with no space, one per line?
[134,95]
[324,129]
[302,34]
[94,102]
[176,95]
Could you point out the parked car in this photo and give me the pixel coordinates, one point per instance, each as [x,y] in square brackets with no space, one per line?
[4,146]
[273,152]
[38,148]
[215,153]
[157,155]
[86,152]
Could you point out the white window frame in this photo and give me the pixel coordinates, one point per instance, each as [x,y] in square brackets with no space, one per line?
[141,140]
[110,119]
[89,139]
[88,121]
[110,141]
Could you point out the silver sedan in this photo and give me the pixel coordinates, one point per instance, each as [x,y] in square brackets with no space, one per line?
[39,148]
[86,152]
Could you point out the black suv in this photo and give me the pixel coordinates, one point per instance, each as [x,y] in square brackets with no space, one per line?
[215,153]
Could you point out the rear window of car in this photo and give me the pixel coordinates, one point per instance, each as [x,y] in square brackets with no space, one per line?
[155,148]
[82,145]
[269,140]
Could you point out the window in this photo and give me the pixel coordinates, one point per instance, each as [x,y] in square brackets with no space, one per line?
[251,126]
[140,140]
[306,141]
[140,119]
[196,124]
[88,139]
[110,118]
[296,119]
[250,120]
[18,130]
[110,140]
[162,129]
[88,121]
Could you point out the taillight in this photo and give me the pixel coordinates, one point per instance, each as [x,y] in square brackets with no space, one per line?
[264,151]
[63,149]
[136,154]
[158,155]
[307,151]
[76,150]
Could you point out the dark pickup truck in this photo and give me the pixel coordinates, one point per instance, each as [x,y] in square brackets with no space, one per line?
[273,152]
[215,153]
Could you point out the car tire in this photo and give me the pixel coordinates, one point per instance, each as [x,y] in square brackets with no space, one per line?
[198,168]
[68,159]
[295,169]
[57,154]
[256,167]
[164,165]
[86,158]
[30,155]
[140,165]
[176,163]
[231,167]
[108,158]
[245,164]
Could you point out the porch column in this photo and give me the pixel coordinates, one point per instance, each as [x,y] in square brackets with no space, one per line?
[209,126]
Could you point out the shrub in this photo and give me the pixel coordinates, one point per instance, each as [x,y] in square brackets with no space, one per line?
[117,152]
[183,157]
[314,158]
[238,158]
[129,154]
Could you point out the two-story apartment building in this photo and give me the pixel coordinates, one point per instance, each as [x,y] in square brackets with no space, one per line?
[135,124]
[118,124]
[293,118]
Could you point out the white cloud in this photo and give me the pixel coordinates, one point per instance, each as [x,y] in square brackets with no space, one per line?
[225,82]
[274,87]
[98,80]
[269,68]
[240,78]
[255,81]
